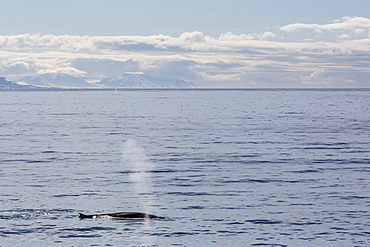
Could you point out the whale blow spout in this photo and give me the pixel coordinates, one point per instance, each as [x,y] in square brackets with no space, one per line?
[123,215]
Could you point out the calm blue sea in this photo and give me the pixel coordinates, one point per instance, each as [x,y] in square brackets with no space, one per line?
[226,167]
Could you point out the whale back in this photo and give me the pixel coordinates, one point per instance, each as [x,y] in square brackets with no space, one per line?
[121,215]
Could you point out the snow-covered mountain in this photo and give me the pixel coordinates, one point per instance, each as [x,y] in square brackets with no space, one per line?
[127,80]
[131,80]
[56,80]
[5,84]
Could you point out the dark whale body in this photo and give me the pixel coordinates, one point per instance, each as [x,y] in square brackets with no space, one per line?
[123,215]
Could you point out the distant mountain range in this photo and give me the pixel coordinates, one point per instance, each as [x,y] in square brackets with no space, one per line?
[128,80]
[56,81]
[5,84]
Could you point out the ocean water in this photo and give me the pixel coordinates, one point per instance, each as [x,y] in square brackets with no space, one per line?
[225,167]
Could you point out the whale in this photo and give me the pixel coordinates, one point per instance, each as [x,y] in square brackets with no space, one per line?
[121,215]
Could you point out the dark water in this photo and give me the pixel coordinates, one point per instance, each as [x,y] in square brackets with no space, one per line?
[228,168]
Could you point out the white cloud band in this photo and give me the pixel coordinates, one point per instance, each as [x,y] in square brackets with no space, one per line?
[249,58]
[355,24]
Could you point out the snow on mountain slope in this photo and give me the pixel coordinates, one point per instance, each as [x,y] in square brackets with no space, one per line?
[56,80]
[130,80]
[5,84]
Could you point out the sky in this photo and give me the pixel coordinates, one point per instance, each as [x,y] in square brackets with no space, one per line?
[213,43]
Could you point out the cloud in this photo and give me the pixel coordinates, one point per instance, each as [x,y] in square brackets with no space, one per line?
[316,77]
[229,36]
[164,68]
[343,36]
[186,42]
[355,24]
[17,66]
[267,35]
[220,77]
[252,60]
[243,37]
[99,68]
